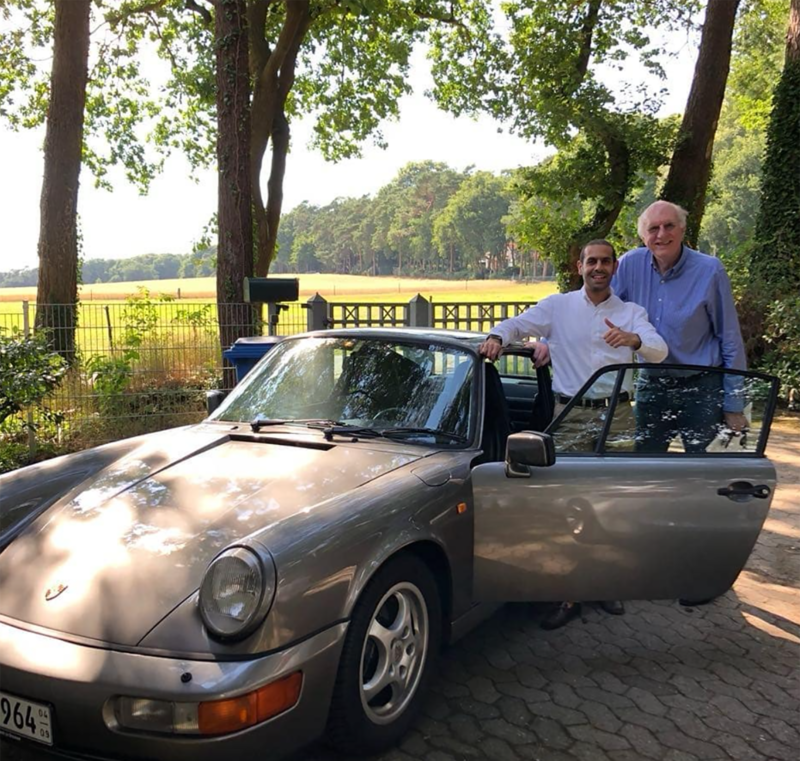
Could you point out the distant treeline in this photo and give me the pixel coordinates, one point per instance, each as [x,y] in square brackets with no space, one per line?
[429,221]
[143,267]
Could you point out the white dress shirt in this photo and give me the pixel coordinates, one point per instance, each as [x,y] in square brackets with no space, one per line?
[574,327]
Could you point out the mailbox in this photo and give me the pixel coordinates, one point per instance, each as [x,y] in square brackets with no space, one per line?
[270,290]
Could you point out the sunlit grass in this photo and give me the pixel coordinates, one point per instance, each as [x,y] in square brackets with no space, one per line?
[331,287]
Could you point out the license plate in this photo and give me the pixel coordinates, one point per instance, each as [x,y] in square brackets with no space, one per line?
[25,719]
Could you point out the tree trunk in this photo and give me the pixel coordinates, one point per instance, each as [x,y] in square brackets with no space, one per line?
[57,290]
[690,169]
[273,72]
[234,209]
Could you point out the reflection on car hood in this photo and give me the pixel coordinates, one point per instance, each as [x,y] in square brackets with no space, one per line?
[112,561]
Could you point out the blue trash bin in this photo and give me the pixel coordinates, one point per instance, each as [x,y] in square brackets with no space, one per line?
[245,352]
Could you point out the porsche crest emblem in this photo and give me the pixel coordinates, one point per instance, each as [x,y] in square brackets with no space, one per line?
[55,591]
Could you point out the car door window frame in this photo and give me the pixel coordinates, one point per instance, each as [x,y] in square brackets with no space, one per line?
[621,369]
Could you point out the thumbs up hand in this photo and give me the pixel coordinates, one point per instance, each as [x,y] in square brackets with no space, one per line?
[616,337]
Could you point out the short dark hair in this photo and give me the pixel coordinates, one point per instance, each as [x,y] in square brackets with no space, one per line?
[599,242]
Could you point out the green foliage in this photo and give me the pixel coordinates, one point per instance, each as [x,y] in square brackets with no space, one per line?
[29,371]
[126,381]
[471,228]
[545,82]
[735,188]
[782,338]
[776,253]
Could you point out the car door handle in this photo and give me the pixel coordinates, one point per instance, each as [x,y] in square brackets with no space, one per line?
[739,489]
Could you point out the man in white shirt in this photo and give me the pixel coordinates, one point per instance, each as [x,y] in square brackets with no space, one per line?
[585,330]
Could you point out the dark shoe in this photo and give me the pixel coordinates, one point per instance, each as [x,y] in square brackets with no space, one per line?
[614,607]
[561,615]
[692,603]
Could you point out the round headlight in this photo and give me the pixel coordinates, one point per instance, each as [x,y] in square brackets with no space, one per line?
[236,593]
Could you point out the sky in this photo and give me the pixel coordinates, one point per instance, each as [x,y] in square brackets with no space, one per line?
[122,223]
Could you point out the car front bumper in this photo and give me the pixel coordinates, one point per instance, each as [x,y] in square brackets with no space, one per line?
[76,681]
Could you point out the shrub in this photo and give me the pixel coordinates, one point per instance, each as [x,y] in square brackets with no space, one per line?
[29,371]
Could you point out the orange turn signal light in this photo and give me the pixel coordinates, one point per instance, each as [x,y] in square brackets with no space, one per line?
[461,508]
[218,717]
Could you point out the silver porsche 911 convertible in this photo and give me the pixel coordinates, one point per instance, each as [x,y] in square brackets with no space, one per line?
[292,566]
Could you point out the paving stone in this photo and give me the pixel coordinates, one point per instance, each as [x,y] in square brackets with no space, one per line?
[414,744]
[734,709]
[503,730]
[567,717]
[430,727]
[588,752]
[483,689]
[514,711]
[646,701]
[775,750]
[564,695]
[528,694]
[456,748]
[677,740]
[606,698]
[498,750]
[604,740]
[737,748]
[551,733]
[782,732]
[601,717]
[478,709]
[465,728]
[642,719]
[642,741]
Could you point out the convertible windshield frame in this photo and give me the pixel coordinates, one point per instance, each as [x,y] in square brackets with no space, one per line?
[421,373]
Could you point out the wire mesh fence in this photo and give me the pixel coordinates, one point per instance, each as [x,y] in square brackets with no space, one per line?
[145,364]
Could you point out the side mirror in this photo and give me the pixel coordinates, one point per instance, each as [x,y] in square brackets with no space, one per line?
[214,399]
[528,449]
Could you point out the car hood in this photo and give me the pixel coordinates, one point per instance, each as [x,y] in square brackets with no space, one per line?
[109,562]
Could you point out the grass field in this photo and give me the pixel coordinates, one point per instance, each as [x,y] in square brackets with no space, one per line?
[332,287]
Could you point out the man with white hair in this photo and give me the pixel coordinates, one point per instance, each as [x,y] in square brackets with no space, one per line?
[687,295]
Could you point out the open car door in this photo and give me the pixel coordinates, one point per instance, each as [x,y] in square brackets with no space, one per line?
[649,495]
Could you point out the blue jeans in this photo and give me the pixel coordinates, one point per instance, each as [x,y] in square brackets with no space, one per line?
[670,405]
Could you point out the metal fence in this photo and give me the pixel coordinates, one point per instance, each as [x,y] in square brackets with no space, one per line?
[146,364]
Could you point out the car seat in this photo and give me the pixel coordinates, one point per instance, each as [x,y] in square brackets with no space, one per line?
[496,419]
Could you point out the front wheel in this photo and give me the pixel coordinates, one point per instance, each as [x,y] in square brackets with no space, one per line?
[387,659]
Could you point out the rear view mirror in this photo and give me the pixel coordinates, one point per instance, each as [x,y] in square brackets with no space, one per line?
[528,449]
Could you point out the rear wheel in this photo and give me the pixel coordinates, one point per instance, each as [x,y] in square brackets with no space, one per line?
[388,657]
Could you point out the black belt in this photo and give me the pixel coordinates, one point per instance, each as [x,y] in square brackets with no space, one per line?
[624,396]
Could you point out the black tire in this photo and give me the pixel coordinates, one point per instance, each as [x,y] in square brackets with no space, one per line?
[364,719]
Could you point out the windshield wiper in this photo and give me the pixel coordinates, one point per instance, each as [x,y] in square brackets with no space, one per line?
[264,422]
[331,428]
[388,432]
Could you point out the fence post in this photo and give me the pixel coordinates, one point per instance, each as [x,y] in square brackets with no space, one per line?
[317,317]
[26,329]
[419,312]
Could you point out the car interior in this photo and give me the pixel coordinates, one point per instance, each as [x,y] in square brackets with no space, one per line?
[518,398]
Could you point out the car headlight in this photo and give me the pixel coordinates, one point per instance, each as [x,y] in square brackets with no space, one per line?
[236,593]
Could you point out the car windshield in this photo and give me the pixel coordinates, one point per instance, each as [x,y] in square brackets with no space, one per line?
[414,391]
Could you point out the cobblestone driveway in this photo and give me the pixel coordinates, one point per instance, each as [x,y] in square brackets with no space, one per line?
[662,682]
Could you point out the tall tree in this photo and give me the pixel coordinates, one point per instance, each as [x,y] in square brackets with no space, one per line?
[690,168]
[234,199]
[57,290]
[775,259]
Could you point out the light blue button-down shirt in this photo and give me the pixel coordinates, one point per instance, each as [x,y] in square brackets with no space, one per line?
[690,305]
